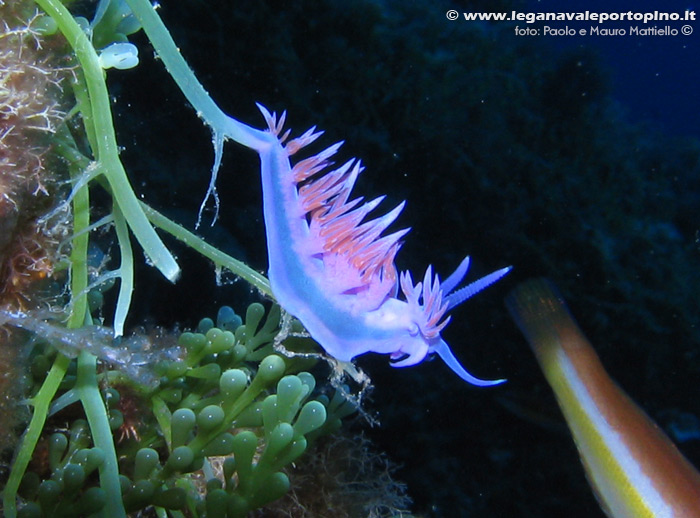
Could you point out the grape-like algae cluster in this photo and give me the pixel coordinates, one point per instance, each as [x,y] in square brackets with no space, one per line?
[224,421]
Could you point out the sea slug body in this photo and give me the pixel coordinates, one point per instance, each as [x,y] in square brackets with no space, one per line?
[332,268]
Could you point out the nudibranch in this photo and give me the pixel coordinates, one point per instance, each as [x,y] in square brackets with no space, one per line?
[633,467]
[333,269]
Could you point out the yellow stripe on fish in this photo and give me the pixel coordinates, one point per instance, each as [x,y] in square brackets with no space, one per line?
[633,467]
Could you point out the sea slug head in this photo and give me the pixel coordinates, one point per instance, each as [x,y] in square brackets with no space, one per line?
[420,319]
[401,321]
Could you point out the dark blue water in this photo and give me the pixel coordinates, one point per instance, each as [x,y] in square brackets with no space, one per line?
[655,78]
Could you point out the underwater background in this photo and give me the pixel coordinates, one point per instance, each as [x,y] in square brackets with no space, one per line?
[567,157]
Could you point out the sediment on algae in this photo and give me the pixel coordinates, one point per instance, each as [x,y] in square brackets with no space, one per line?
[33,76]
